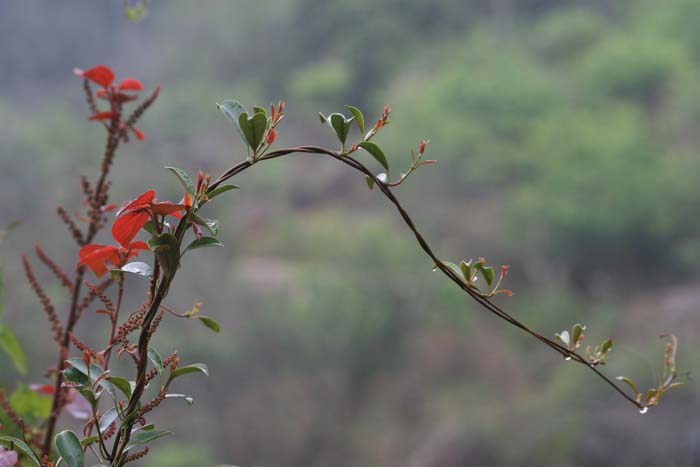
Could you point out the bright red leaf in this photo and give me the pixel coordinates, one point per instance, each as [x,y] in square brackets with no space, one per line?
[100,74]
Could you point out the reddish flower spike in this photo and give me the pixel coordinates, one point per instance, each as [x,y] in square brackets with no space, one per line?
[140,135]
[271,136]
[101,116]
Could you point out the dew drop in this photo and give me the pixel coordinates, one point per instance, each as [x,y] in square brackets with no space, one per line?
[643,410]
[435,268]
[567,358]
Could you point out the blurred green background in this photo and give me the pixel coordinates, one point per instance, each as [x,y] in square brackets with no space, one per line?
[567,134]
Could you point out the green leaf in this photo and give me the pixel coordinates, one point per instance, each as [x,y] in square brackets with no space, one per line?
[150,227]
[376,151]
[107,418]
[629,382]
[184,178]
[145,436]
[212,225]
[456,269]
[210,323]
[137,267]
[167,251]
[194,368]
[577,333]
[606,346]
[68,446]
[564,337]
[253,128]
[466,270]
[203,243]
[370,182]
[485,271]
[122,384]
[220,189]
[22,446]
[359,118]
[185,397]
[89,440]
[74,376]
[259,110]
[12,347]
[156,359]
[322,117]
[95,372]
[233,109]
[340,125]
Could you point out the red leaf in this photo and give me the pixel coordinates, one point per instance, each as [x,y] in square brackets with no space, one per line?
[166,207]
[101,74]
[128,225]
[130,83]
[102,116]
[96,256]
[143,201]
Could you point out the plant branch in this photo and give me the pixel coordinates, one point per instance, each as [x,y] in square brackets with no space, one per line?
[388,193]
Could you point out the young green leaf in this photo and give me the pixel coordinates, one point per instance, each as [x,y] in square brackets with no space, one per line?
[370,182]
[122,384]
[220,189]
[232,110]
[194,368]
[606,346]
[629,382]
[144,436]
[376,152]
[340,125]
[253,128]
[203,243]
[68,446]
[564,337]
[210,323]
[485,271]
[359,118]
[184,178]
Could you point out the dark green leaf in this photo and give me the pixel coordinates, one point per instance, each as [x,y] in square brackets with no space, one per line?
[376,151]
[184,178]
[194,368]
[485,271]
[122,384]
[74,376]
[340,125]
[22,446]
[95,372]
[212,225]
[322,117]
[259,110]
[253,128]
[150,227]
[12,347]
[220,189]
[359,118]
[107,418]
[233,109]
[166,248]
[370,182]
[210,323]
[203,243]
[68,446]
[144,436]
